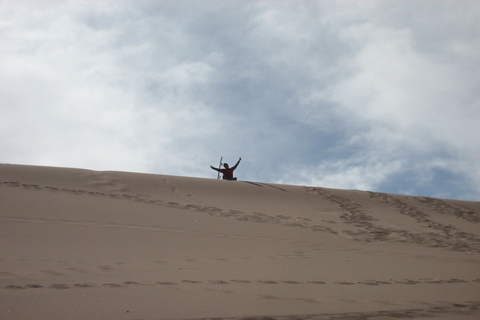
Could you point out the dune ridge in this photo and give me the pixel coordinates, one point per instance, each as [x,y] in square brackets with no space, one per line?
[87,244]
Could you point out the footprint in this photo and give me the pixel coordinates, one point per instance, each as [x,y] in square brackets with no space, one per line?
[58,286]
[12,183]
[399,315]
[93,193]
[166,283]
[316,282]
[112,285]
[408,281]
[329,221]
[191,281]
[83,285]
[235,212]
[369,283]
[15,287]
[34,286]
[374,282]
[434,281]
[344,283]
[218,282]
[31,186]
[268,282]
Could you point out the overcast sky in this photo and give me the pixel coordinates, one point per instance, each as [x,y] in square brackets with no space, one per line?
[369,95]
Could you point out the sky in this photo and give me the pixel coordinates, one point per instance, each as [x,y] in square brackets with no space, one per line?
[370,95]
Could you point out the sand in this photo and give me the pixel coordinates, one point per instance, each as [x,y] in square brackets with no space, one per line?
[80,244]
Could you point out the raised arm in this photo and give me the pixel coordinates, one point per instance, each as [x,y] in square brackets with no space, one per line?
[214,168]
[235,166]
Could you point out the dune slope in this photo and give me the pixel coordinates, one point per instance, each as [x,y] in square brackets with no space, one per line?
[81,244]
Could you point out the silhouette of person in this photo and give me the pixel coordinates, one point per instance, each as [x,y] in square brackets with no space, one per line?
[227,172]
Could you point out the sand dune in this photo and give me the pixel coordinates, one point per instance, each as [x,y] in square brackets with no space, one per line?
[80,244]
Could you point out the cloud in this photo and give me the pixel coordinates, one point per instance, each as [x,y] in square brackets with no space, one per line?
[378,96]
[417,106]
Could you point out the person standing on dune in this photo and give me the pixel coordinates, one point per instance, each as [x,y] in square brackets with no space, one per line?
[227,172]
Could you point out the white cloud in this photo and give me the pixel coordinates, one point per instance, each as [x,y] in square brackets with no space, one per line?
[362,173]
[404,104]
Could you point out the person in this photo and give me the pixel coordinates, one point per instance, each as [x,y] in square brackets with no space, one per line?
[227,172]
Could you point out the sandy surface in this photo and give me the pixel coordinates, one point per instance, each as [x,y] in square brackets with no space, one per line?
[79,244]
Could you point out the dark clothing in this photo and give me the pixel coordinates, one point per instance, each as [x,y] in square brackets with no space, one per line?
[228,172]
